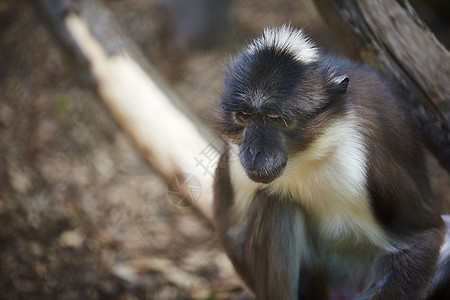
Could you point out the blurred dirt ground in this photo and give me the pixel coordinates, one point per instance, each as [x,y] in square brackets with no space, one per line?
[82,215]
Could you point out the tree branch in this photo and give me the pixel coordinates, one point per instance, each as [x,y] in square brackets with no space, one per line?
[129,87]
[399,44]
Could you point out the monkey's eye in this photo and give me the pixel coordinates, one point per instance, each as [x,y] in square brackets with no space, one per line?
[279,120]
[242,118]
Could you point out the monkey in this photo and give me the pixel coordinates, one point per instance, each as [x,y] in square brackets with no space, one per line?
[322,184]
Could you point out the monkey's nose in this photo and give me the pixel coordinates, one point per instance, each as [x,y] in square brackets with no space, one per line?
[254,153]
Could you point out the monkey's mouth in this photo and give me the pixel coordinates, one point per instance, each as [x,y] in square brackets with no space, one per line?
[264,176]
[261,166]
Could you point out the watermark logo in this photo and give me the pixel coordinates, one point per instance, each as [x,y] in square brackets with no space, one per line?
[184,190]
[207,159]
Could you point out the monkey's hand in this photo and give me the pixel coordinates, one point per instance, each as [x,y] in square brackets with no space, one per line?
[410,269]
[367,294]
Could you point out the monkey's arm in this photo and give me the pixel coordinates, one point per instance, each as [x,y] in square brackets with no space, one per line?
[264,249]
[231,235]
[265,245]
[274,247]
[401,199]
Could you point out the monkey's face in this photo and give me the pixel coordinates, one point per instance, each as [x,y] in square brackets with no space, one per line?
[260,110]
[256,112]
[274,105]
[261,144]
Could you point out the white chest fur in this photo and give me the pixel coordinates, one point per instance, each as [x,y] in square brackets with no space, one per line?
[329,181]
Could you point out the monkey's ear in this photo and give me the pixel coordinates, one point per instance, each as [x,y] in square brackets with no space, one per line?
[341,83]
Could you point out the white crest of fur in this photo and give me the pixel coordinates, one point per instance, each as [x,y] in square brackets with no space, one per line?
[286,38]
